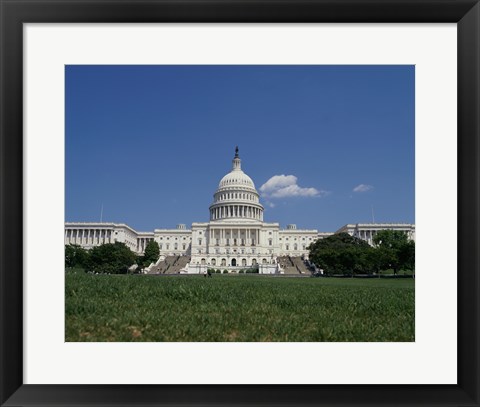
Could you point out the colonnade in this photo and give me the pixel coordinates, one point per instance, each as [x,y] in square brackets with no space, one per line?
[234,237]
[88,236]
[366,235]
[236,211]
[142,243]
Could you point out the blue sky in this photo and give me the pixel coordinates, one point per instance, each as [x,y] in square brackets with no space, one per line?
[327,143]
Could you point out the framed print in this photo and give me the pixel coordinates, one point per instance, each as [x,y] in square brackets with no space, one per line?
[50,49]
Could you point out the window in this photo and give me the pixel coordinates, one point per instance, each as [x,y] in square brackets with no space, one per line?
[269,242]
[168,246]
[224,262]
[160,246]
[214,262]
[184,246]
[176,246]
[199,241]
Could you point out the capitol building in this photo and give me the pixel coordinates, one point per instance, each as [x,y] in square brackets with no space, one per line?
[236,237]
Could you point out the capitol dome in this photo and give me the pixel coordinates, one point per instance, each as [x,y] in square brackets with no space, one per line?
[236,196]
[238,178]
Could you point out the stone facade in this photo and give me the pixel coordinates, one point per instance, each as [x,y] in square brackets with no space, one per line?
[367,231]
[235,237]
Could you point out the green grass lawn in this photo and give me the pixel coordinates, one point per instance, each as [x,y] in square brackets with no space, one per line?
[237,308]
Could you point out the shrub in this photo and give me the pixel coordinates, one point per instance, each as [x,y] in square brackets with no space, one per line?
[225,271]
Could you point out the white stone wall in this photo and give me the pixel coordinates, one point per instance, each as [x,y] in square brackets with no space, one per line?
[295,242]
[233,244]
[174,242]
[90,234]
[367,231]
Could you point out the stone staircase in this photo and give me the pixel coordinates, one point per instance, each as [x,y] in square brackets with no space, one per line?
[300,265]
[171,265]
[288,267]
[293,265]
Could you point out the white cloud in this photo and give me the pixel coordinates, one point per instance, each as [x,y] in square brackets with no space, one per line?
[362,188]
[285,186]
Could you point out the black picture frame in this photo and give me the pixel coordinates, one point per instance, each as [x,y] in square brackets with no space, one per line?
[14,13]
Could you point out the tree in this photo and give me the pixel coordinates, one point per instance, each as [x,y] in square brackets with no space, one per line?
[394,250]
[407,256]
[152,252]
[75,256]
[111,258]
[341,253]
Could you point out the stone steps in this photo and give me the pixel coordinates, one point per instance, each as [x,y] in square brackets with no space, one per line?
[171,265]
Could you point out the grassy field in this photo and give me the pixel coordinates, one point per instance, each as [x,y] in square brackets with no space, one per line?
[237,308]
